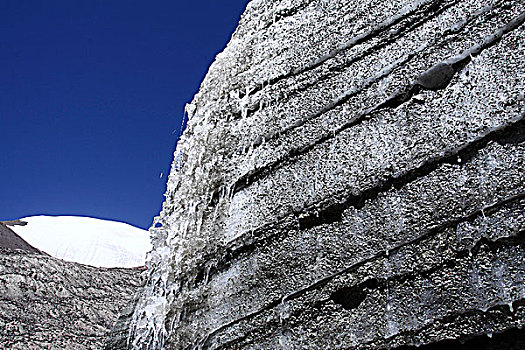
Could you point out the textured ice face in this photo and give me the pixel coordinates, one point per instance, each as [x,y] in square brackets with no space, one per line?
[335,146]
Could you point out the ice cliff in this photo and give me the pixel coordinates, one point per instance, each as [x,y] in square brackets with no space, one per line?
[351,177]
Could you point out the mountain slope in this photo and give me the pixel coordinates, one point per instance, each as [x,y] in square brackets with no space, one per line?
[85,240]
[10,240]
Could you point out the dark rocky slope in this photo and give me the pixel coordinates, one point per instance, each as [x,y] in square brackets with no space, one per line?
[10,240]
[352,177]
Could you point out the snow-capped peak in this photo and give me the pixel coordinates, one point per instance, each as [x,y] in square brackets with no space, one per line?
[86,240]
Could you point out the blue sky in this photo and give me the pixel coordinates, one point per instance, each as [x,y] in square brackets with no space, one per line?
[91,99]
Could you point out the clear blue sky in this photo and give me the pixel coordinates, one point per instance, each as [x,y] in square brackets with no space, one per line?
[91,100]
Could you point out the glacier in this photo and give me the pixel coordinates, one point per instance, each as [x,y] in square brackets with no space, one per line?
[351,176]
[86,240]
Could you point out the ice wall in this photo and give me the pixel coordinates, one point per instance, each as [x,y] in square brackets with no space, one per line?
[352,176]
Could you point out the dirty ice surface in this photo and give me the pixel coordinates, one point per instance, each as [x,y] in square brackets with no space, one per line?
[85,240]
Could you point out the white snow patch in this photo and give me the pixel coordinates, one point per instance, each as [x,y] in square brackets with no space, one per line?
[86,240]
